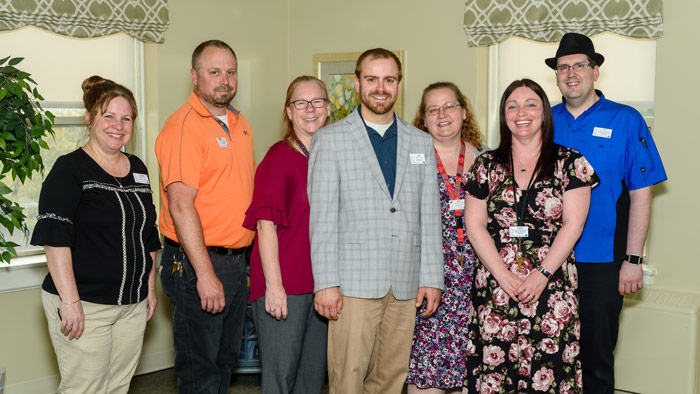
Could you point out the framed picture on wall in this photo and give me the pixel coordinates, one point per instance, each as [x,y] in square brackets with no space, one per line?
[337,71]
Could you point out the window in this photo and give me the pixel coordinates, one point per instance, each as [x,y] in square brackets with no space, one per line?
[59,65]
[627,76]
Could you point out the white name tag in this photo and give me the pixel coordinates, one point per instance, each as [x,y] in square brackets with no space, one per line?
[141,178]
[222,142]
[517,231]
[456,204]
[417,158]
[601,132]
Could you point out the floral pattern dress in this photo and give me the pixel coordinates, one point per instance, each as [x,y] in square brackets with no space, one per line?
[440,341]
[526,346]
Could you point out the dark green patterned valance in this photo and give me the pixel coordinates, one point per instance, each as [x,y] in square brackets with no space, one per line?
[487,22]
[145,20]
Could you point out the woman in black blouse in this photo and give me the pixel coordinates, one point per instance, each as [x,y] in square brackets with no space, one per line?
[97,224]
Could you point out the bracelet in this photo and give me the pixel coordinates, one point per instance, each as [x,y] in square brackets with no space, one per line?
[634,259]
[70,303]
[544,272]
[151,288]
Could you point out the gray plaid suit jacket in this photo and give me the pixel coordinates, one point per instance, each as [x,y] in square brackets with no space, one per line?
[362,239]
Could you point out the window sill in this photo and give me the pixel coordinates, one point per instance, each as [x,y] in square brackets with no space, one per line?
[26,272]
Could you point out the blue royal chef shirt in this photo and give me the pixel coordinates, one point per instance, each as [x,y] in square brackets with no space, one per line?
[615,139]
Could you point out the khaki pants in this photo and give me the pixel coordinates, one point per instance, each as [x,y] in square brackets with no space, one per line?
[104,359]
[370,344]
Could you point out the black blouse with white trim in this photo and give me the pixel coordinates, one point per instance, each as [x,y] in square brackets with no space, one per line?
[109,223]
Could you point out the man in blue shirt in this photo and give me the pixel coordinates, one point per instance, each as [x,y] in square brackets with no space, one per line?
[374,226]
[616,141]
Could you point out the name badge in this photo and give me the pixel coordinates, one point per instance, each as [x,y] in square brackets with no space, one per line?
[602,132]
[222,142]
[141,178]
[417,158]
[517,231]
[456,204]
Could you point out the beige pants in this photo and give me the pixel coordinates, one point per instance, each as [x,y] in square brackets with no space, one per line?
[370,344]
[104,359]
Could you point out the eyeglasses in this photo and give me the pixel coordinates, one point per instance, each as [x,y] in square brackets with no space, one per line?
[448,108]
[562,68]
[304,104]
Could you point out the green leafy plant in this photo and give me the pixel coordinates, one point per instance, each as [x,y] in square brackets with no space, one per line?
[23,126]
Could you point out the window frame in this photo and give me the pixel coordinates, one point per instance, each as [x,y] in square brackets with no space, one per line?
[28,269]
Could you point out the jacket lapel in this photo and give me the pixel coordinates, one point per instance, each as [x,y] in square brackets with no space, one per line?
[361,139]
[402,155]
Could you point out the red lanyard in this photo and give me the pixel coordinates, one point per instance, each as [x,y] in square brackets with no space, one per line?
[454,194]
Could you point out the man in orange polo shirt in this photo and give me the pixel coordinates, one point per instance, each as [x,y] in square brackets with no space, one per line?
[205,154]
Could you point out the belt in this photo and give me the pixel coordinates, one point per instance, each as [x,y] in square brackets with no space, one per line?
[214,249]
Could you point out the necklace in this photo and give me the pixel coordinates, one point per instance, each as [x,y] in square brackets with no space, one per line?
[119,183]
[523,167]
[115,169]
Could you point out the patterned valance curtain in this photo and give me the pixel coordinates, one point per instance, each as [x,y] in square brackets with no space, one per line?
[145,20]
[487,22]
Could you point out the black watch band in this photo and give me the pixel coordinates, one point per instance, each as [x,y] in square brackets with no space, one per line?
[544,272]
[634,259]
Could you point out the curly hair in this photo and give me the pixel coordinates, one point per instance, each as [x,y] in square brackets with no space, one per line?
[470,129]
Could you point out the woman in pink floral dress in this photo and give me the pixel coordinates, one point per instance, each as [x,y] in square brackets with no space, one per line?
[526,206]
[440,340]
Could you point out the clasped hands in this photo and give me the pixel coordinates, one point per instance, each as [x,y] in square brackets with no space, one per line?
[528,290]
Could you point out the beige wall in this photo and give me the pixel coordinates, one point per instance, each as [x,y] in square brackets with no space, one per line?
[675,215]
[431,36]
[257,32]
[275,40]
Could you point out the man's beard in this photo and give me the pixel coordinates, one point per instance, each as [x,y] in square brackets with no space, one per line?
[379,108]
[217,100]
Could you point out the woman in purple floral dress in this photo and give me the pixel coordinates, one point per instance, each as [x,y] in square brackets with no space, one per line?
[526,206]
[440,341]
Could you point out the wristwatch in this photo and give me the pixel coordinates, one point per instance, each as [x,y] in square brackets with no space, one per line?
[634,259]
[544,272]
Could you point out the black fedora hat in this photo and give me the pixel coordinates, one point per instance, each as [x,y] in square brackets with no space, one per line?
[573,43]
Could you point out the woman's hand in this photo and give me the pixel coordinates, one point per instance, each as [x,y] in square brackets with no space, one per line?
[72,319]
[276,302]
[509,282]
[531,289]
[152,301]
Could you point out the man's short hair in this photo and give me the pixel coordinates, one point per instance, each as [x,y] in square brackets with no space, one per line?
[211,43]
[377,53]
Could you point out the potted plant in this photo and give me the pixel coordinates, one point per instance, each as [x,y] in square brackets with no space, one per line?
[23,126]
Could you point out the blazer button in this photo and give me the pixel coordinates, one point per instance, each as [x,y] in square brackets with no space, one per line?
[392,210]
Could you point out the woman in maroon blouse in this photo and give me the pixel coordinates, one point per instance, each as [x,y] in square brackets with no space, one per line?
[291,335]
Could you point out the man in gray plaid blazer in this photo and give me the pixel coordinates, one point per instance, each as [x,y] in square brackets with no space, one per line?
[375,227]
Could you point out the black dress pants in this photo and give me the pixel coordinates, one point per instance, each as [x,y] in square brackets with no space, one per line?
[600,304]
